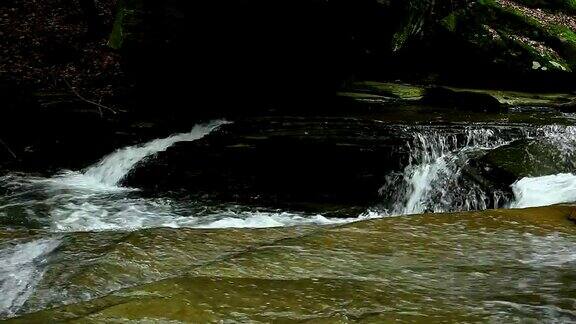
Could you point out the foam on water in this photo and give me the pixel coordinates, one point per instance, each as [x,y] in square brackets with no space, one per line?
[545,190]
[63,208]
[21,268]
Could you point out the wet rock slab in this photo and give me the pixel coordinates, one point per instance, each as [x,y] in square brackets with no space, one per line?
[497,265]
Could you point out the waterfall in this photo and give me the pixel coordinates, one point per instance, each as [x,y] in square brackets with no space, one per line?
[113,168]
[432,181]
[555,188]
[435,178]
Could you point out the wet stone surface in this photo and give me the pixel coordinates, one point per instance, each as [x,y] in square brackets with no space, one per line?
[493,265]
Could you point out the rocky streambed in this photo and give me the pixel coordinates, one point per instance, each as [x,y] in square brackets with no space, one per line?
[503,265]
[374,210]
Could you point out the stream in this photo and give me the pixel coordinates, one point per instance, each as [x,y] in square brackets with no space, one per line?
[75,225]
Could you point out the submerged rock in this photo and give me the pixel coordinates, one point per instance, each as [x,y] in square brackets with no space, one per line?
[494,265]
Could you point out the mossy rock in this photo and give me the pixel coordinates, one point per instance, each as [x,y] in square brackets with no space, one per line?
[515,36]
[560,5]
[466,98]
[517,98]
[526,158]
[95,264]
[383,90]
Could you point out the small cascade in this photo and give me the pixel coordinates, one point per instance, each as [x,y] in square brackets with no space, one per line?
[554,188]
[112,169]
[436,178]
[432,181]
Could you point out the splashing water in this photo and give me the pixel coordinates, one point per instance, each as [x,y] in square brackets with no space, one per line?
[112,169]
[550,189]
[21,268]
[93,201]
[433,180]
[545,190]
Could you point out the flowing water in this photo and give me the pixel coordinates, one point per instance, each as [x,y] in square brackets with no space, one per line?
[434,178]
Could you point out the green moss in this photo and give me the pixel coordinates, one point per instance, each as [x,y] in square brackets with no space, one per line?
[515,38]
[528,158]
[415,15]
[386,89]
[449,22]
[117,35]
[128,18]
[564,33]
[558,5]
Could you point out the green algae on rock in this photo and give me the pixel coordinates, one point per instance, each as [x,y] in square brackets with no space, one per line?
[128,18]
[494,265]
[95,264]
[527,158]
[393,90]
[483,99]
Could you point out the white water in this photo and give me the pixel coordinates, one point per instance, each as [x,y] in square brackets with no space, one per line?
[550,189]
[113,168]
[94,201]
[543,191]
[21,268]
[433,179]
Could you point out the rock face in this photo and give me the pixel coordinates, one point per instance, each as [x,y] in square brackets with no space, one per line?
[441,267]
[264,54]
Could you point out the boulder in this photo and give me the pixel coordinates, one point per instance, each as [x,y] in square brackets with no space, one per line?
[525,158]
